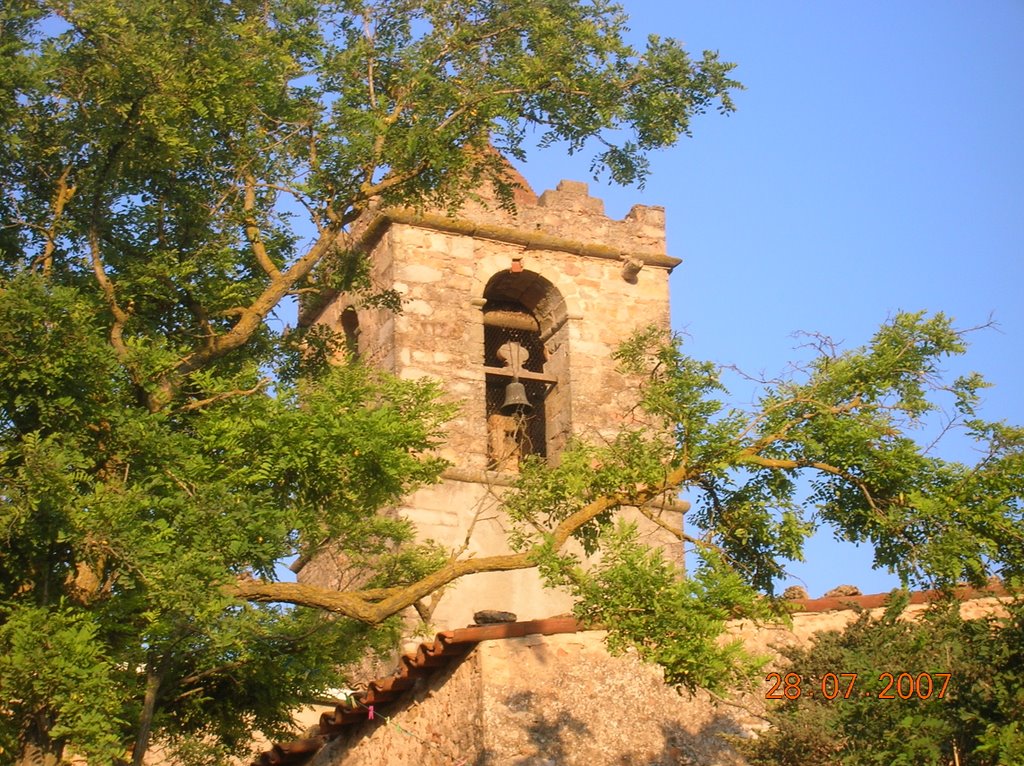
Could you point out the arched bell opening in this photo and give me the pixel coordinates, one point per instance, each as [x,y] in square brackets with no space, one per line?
[350,327]
[525,359]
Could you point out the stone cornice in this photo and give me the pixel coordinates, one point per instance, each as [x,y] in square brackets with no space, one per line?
[529,240]
[369,233]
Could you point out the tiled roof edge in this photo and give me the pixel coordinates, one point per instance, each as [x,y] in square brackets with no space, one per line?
[451,644]
[876,600]
[446,646]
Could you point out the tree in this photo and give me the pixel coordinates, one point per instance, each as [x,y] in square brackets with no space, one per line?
[956,691]
[163,441]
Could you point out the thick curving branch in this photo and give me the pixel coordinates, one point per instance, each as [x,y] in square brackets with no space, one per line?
[252,230]
[375,606]
[283,283]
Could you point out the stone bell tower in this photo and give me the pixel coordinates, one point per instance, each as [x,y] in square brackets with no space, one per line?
[542,297]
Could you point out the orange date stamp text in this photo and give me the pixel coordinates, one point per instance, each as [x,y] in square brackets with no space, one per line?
[903,686]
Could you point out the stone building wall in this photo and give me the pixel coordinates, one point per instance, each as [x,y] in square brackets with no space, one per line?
[769,639]
[439,723]
[545,701]
[374,335]
[562,700]
[588,281]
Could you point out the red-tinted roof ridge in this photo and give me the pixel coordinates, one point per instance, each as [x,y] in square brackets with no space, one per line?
[446,646]
[450,644]
[876,600]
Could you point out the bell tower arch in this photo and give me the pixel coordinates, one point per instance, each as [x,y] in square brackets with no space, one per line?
[526,364]
[518,314]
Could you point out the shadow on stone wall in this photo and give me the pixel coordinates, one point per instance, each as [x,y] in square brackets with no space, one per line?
[559,738]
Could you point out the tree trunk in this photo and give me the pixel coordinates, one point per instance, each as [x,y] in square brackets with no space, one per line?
[154,677]
[37,747]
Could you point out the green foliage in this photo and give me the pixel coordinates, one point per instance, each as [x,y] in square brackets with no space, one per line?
[54,663]
[845,423]
[161,439]
[843,426]
[648,605]
[164,443]
[977,721]
[120,526]
[548,494]
[249,670]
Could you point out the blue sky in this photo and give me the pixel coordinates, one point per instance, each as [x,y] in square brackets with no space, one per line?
[875,164]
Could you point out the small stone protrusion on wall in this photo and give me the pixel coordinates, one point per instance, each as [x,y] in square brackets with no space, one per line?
[572,195]
[843,590]
[631,268]
[795,593]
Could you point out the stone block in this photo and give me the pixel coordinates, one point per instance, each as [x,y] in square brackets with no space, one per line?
[417,272]
[418,307]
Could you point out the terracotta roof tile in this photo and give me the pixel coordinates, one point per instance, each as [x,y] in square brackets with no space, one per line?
[876,600]
[452,644]
[446,646]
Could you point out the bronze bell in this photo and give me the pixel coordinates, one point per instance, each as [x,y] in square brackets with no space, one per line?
[515,399]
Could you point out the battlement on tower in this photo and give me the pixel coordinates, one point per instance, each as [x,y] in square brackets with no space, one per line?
[569,212]
[566,218]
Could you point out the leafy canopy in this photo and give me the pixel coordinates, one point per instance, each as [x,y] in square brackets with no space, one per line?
[171,173]
[977,720]
[843,425]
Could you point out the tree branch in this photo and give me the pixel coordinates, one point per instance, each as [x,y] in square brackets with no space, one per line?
[61,198]
[375,606]
[368,190]
[771,438]
[647,511]
[252,231]
[120,315]
[282,283]
[199,403]
[784,464]
[298,197]
[154,678]
[252,316]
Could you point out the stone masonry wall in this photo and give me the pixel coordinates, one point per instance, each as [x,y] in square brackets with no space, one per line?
[562,700]
[438,723]
[376,333]
[612,279]
[440,266]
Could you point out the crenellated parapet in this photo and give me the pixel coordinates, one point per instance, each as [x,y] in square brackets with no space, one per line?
[566,218]
[569,211]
